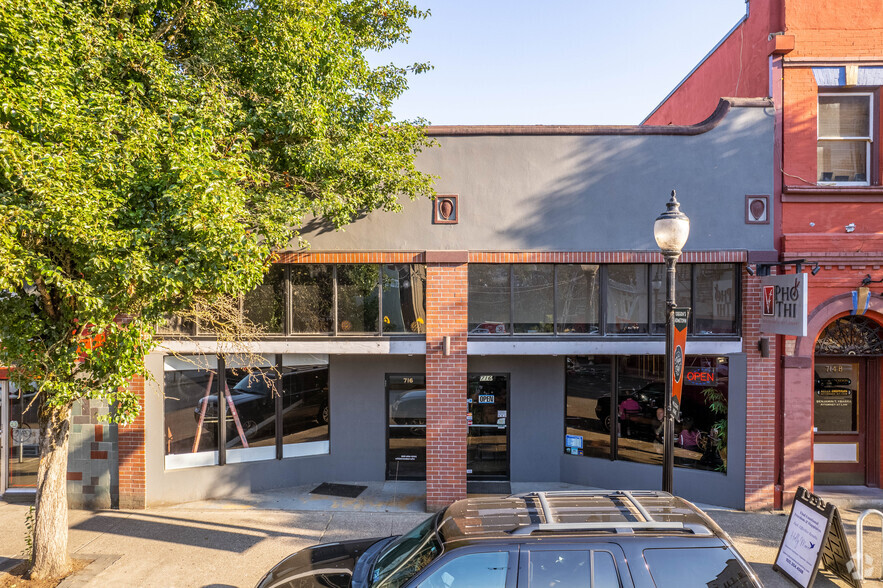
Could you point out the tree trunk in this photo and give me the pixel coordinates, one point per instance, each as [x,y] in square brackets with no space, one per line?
[50,558]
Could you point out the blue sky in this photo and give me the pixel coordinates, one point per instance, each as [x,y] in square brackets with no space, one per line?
[555,61]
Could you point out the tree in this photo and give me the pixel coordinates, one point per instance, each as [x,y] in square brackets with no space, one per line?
[156,153]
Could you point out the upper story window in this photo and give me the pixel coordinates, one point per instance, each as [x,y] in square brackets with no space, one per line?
[332,299]
[615,299]
[845,123]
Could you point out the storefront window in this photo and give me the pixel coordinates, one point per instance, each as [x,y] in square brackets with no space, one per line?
[250,393]
[577,298]
[306,410]
[404,305]
[714,308]
[533,295]
[257,394]
[683,294]
[635,413]
[190,386]
[357,302]
[489,299]
[312,298]
[588,382]
[627,299]
[265,305]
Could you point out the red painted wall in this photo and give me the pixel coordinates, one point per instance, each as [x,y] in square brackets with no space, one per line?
[738,68]
[827,32]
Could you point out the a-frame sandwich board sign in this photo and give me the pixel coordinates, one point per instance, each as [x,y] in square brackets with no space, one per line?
[814,535]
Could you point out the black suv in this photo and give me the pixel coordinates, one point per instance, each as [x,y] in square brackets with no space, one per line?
[603,539]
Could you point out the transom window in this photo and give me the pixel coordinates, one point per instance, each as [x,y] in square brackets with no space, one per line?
[845,124]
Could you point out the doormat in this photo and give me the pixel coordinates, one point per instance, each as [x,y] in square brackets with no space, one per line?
[343,490]
[488,488]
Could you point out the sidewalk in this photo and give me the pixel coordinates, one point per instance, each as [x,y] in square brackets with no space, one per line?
[227,543]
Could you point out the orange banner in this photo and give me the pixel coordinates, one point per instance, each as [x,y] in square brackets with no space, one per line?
[679,356]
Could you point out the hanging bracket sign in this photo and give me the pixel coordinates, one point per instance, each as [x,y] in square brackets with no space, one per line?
[783,304]
[814,535]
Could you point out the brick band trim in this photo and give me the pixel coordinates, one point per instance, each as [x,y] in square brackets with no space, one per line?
[447,256]
[740,256]
[605,257]
[351,257]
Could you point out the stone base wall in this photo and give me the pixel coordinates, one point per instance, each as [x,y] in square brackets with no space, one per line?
[92,471]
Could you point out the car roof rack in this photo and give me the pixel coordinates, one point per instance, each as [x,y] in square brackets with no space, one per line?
[648,523]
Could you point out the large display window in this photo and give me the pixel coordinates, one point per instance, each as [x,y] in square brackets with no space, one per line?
[615,409]
[271,408]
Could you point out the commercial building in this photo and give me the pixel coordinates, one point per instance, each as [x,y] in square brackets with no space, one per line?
[509,330]
[822,63]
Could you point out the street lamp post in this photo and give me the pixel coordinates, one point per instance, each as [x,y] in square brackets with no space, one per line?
[671,230]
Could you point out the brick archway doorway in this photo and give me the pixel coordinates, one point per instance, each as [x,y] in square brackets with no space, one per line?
[846,402]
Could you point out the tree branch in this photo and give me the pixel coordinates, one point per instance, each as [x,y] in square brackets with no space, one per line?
[46,299]
[168,25]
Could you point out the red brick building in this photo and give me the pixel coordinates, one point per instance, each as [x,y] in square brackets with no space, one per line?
[822,63]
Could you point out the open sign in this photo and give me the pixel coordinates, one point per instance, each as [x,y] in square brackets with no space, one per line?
[699,375]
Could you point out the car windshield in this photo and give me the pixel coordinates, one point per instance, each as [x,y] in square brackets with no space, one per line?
[253,384]
[407,555]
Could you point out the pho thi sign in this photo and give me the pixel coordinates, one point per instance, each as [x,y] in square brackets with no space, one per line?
[783,304]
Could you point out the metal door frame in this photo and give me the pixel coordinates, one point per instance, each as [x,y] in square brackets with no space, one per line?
[4,427]
[864,433]
[508,475]
[386,426]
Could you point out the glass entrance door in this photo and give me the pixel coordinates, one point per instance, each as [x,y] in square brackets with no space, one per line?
[487,420]
[406,427]
[4,419]
[21,441]
[840,423]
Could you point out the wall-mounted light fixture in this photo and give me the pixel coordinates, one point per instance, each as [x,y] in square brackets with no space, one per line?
[763,345]
[763,269]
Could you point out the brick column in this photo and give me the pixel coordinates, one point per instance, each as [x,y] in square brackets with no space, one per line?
[760,429]
[446,307]
[132,455]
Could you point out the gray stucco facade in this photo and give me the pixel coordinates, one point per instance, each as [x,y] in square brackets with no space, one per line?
[580,192]
[521,190]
